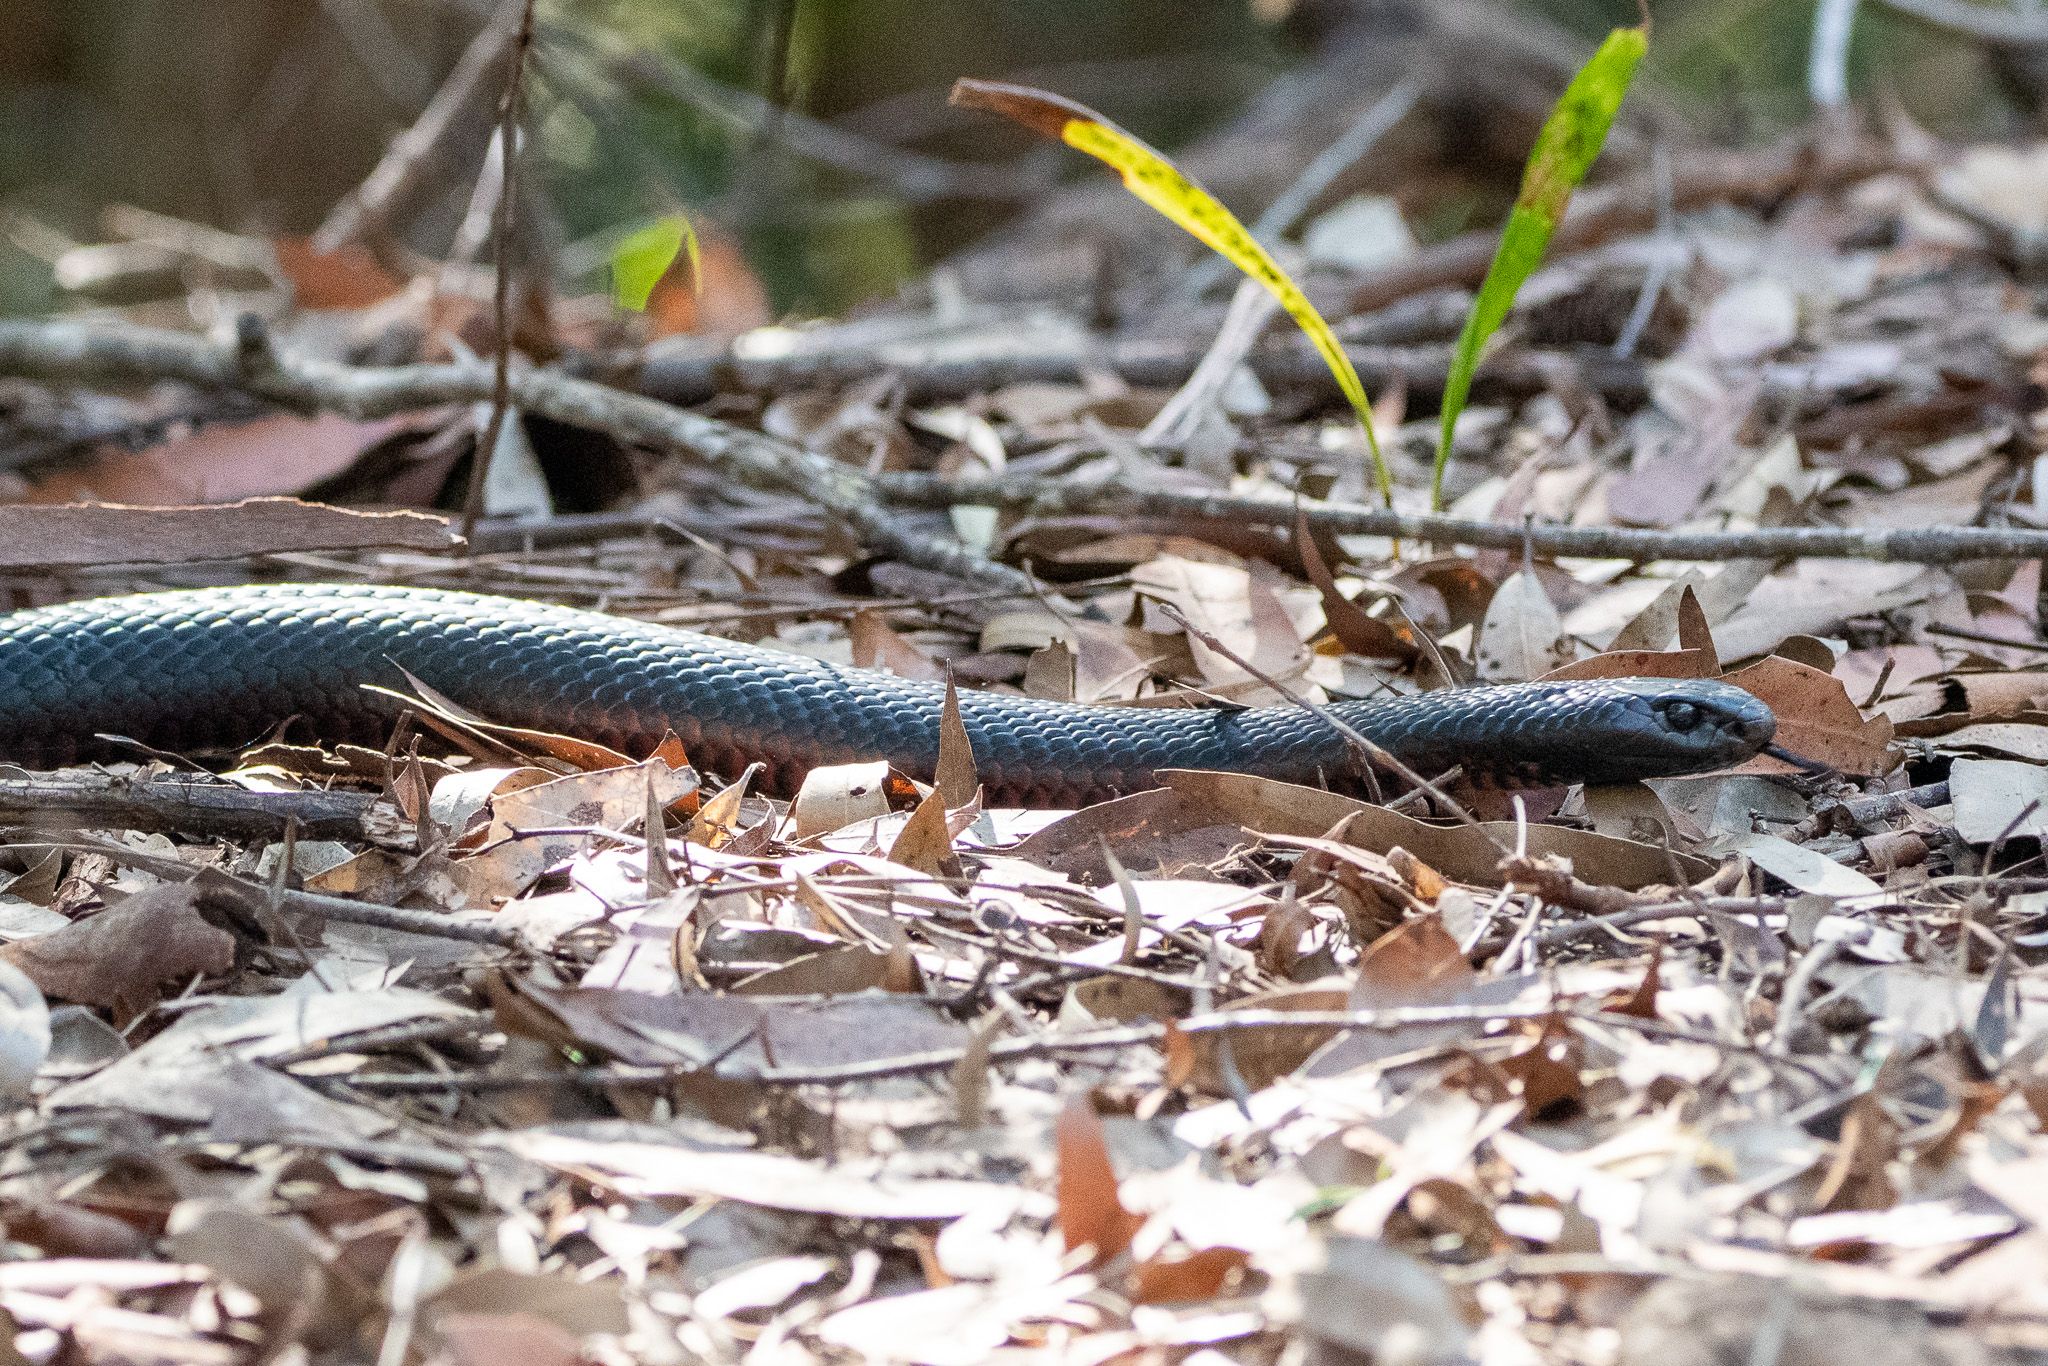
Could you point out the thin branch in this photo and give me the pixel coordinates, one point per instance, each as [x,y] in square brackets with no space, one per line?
[62,350]
[692,373]
[1704,177]
[1052,497]
[406,164]
[249,897]
[193,807]
[1221,1023]
[508,140]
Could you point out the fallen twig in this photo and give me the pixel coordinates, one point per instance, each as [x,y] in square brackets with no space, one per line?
[83,353]
[405,165]
[1603,214]
[77,352]
[184,806]
[1054,497]
[1042,1046]
[695,374]
[253,899]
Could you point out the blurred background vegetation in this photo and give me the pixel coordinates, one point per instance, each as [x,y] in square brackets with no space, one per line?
[258,115]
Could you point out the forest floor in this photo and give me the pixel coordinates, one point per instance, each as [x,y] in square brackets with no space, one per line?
[332,1055]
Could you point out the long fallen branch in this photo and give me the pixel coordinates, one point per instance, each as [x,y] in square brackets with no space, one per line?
[80,353]
[1600,215]
[1056,497]
[694,375]
[1112,1039]
[61,350]
[75,799]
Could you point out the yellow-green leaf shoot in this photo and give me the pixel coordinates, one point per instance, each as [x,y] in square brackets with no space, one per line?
[1167,190]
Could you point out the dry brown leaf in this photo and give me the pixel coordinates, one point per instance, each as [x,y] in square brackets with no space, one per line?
[1348,622]
[877,645]
[1638,664]
[716,823]
[835,972]
[1522,636]
[1260,1056]
[1859,1176]
[1365,885]
[1415,964]
[1462,853]
[925,843]
[1642,1002]
[1935,706]
[349,277]
[223,462]
[1817,720]
[120,957]
[1547,1074]
[956,776]
[1199,1275]
[511,1339]
[1230,605]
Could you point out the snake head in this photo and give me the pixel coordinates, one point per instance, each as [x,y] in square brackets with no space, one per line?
[1688,725]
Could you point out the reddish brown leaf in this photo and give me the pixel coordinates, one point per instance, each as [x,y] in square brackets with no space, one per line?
[221,462]
[1817,720]
[1348,622]
[348,277]
[1090,1211]
[1197,1276]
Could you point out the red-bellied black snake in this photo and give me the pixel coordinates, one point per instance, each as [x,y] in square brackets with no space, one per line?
[219,667]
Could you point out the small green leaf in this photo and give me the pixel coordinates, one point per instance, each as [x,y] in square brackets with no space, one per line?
[1168,191]
[1565,150]
[645,255]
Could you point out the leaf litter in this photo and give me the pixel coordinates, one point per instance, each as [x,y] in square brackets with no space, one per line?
[644,1066]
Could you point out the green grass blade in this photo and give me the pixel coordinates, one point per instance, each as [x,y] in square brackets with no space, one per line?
[1565,150]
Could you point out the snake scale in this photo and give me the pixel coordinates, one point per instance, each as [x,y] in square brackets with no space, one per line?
[210,669]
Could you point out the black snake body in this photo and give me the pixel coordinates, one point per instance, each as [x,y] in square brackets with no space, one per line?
[216,668]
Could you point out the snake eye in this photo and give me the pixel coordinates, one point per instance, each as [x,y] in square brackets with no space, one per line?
[1683,716]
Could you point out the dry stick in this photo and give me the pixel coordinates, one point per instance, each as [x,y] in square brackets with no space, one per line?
[1916,545]
[180,805]
[1052,1045]
[405,165]
[255,899]
[59,349]
[56,349]
[1706,177]
[696,374]
[509,107]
